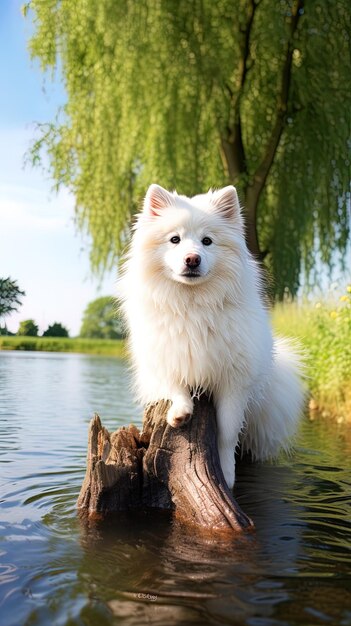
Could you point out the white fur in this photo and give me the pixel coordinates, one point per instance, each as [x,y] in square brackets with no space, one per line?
[210,332]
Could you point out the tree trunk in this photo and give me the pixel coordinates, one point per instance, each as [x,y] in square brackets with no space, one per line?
[232,145]
[161,467]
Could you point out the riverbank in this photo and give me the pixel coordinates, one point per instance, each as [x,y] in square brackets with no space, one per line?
[323,330]
[105,347]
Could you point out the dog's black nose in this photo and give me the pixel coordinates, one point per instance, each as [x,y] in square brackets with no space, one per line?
[192,260]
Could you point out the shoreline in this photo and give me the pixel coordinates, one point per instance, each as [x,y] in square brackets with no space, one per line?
[101,347]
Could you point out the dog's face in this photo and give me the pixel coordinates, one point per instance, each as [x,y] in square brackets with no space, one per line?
[189,240]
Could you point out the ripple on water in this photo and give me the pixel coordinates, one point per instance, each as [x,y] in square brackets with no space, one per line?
[58,569]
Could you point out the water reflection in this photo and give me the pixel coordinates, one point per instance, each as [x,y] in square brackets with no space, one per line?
[160,571]
[288,570]
[56,568]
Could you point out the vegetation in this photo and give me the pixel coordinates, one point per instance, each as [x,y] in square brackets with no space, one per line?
[199,94]
[56,330]
[101,320]
[28,328]
[10,299]
[324,331]
[5,331]
[61,344]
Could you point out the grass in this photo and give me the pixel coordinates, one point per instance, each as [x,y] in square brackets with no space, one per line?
[324,332]
[106,347]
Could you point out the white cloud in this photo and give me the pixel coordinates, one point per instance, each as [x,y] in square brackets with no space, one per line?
[29,208]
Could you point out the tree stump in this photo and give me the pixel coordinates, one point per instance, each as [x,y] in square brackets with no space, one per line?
[161,467]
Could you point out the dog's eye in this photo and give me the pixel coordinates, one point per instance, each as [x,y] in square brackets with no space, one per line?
[207,241]
[175,239]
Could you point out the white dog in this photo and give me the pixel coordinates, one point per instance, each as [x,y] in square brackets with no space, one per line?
[191,297]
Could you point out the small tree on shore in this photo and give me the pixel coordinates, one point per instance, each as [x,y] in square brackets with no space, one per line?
[28,328]
[56,330]
[10,299]
[101,320]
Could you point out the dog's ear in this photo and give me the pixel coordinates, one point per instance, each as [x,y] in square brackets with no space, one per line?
[226,202]
[156,200]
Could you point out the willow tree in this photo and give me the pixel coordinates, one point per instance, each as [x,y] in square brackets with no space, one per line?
[200,94]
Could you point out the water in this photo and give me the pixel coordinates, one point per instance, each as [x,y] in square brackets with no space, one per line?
[57,570]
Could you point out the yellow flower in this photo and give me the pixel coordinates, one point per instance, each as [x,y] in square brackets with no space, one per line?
[318,305]
[333,315]
[348,288]
[344,299]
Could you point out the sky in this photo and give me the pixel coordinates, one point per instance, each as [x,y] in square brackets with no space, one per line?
[39,245]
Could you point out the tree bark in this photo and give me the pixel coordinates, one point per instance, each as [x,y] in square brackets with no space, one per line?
[232,145]
[161,467]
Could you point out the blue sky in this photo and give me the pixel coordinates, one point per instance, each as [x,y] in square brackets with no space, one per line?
[39,246]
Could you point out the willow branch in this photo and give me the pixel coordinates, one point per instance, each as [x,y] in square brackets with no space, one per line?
[255,187]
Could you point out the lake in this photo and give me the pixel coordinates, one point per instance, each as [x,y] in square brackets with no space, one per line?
[295,568]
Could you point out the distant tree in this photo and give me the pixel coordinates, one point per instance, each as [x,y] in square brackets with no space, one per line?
[56,330]
[201,94]
[10,299]
[28,328]
[101,320]
[5,331]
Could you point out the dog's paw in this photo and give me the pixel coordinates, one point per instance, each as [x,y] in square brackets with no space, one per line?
[179,413]
[178,420]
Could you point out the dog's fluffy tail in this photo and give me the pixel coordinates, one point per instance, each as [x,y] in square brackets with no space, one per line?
[273,418]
